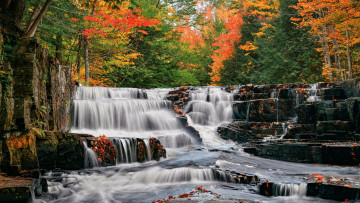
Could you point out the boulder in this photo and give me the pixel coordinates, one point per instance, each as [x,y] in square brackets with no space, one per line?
[19,152]
[47,150]
[141,150]
[301,131]
[337,130]
[266,189]
[306,114]
[263,110]
[70,154]
[341,154]
[353,107]
[333,94]
[157,150]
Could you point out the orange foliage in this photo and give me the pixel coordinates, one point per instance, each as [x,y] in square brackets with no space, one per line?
[225,43]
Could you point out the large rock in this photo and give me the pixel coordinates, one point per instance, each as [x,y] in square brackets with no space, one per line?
[157,150]
[70,151]
[6,99]
[19,189]
[341,154]
[141,150]
[353,107]
[333,93]
[335,130]
[47,149]
[38,91]
[351,87]
[19,152]
[293,152]
[264,110]
[301,131]
[306,114]
[243,131]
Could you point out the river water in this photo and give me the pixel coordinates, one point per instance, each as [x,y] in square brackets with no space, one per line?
[129,113]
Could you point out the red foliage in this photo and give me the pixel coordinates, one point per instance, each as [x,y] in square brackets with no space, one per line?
[105,150]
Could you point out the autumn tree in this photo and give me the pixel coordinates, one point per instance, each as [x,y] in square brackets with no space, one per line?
[336,23]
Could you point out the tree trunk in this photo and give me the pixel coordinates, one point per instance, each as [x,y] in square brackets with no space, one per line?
[337,59]
[78,57]
[4,4]
[33,16]
[31,31]
[348,53]
[86,43]
[12,15]
[328,54]
[323,49]
[87,66]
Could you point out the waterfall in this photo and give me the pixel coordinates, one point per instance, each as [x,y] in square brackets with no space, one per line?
[126,149]
[297,101]
[178,175]
[313,93]
[274,94]
[210,106]
[124,114]
[91,159]
[284,130]
[148,149]
[158,93]
[280,189]
[104,92]
[248,111]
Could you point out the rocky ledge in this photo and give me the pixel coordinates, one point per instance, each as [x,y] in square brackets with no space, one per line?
[24,155]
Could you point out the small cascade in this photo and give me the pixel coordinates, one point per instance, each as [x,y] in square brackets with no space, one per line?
[248,111]
[126,149]
[91,159]
[129,115]
[298,190]
[297,100]
[210,106]
[274,94]
[313,93]
[157,93]
[177,175]
[148,149]
[127,112]
[284,130]
[104,92]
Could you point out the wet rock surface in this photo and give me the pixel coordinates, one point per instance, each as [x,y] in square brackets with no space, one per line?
[37,90]
[157,150]
[318,122]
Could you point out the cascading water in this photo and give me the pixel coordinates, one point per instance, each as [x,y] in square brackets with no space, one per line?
[313,93]
[148,149]
[248,111]
[125,112]
[126,149]
[209,107]
[289,189]
[91,159]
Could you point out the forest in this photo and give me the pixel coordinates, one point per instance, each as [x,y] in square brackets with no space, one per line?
[153,43]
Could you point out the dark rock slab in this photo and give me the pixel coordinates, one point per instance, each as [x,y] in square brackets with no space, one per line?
[301,131]
[335,130]
[306,114]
